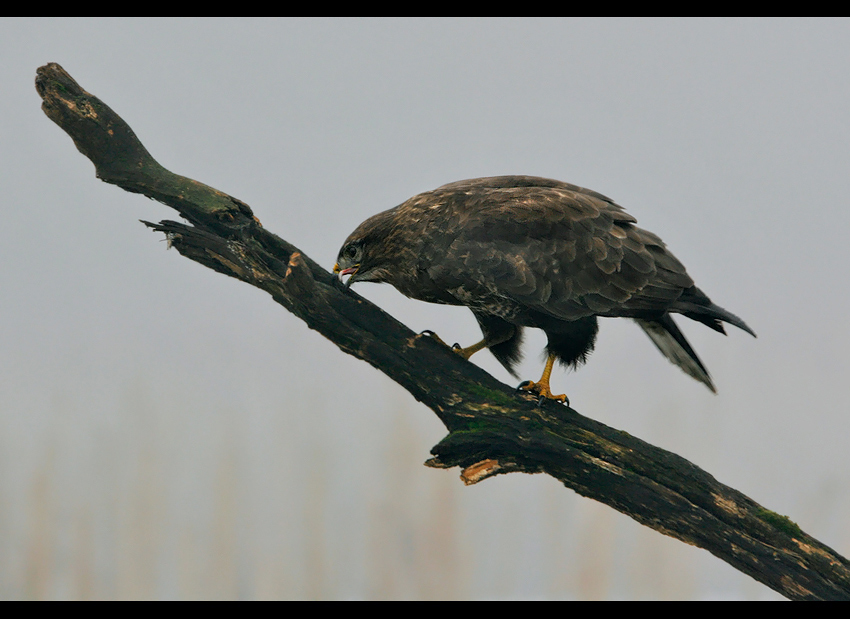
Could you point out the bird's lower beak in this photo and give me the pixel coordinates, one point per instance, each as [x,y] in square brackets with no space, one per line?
[342,273]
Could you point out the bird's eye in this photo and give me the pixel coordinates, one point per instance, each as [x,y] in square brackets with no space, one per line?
[350,252]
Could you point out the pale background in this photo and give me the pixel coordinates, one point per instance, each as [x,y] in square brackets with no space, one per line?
[167,432]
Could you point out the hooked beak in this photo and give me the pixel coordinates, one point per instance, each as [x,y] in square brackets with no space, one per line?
[341,273]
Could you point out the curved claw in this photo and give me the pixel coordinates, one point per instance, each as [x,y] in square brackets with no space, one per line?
[434,336]
[466,353]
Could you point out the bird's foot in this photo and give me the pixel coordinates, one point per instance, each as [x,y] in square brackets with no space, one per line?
[435,337]
[542,391]
[466,353]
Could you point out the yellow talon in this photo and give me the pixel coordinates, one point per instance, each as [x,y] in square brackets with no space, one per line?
[541,387]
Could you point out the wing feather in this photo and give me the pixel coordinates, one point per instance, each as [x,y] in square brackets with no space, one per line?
[556,248]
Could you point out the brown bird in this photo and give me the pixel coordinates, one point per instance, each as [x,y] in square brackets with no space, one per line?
[522,251]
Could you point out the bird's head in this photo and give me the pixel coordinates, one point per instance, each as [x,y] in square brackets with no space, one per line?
[350,261]
[366,255]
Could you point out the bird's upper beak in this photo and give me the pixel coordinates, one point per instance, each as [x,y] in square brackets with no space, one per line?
[341,273]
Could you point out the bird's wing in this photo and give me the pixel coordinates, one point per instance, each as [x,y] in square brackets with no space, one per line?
[560,250]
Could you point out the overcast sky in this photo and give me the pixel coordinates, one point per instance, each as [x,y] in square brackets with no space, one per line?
[167,432]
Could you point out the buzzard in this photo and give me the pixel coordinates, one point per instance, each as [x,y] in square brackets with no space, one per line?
[522,251]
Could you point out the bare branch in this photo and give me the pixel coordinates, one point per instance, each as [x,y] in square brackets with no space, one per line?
[492,429]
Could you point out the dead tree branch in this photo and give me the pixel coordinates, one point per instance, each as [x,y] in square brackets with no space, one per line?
[492,429]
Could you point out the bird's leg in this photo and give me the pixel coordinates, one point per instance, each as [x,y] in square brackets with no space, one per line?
[541,387]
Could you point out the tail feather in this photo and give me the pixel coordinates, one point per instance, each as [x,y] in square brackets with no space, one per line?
[697,306]
[712,314]
[666,336]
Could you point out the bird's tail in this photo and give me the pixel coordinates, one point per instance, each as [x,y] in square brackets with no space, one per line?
[666,336]
[697,306]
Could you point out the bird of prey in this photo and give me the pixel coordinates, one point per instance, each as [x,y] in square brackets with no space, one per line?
[523,251]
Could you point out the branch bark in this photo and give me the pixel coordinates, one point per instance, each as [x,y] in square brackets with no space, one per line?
[492,428]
